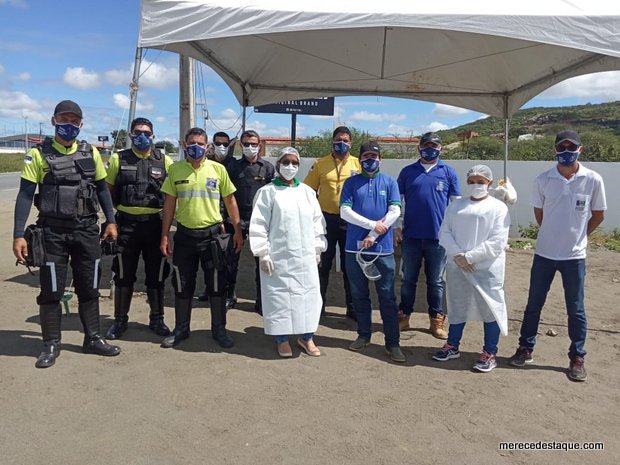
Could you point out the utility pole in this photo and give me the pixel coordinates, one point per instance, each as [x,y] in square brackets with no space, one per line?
[26,133]
[40,132]
[133,94]
[187,98]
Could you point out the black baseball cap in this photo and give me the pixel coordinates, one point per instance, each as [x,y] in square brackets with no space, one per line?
[430,137]
[571,136]
[68,106]
[140,121]
[370,146]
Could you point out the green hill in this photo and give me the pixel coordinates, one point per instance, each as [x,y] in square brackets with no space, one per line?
[597,124]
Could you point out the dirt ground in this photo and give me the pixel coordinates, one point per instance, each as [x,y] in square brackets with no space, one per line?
[199,404]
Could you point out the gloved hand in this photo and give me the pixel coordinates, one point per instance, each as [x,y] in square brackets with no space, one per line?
[318,259]
[266,264]
[505,192]
[462,263]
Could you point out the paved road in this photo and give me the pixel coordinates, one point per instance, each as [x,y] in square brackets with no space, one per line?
[9,183]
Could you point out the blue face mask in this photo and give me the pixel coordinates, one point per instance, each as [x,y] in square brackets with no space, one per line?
[141,142]
[429,153]
[567,157]
[67,131]
[370,165]
[341,148]
[195,151]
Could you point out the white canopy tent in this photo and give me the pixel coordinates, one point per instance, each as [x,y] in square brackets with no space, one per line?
[485,56]
[491,57]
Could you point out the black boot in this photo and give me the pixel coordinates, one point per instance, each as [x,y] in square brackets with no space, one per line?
[182,315]
[49,316]
[94,342]
[122,302]
[156,317]
[231,296]
[218,322]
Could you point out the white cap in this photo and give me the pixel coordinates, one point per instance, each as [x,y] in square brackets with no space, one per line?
[481,170]
[288,151]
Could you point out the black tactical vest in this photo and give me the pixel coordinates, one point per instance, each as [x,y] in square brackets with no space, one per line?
[139,180]
[68,190]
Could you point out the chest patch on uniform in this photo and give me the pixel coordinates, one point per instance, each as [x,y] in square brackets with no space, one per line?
[382,193]
[182,181]
[28,159]
[441,186]
[211,183]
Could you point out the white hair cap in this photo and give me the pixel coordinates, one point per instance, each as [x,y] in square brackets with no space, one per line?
[481,170]
[288,151]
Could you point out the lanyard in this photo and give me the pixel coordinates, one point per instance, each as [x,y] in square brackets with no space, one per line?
[338,170]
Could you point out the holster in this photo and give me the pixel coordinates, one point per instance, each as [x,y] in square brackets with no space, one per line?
[221,250]
[36,245]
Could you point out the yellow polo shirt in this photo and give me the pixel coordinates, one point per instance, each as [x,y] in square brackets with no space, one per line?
[198,192]
[113,168]
[36,167]
[327,176]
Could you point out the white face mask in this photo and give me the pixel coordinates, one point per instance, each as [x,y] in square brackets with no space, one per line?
[478,191]
[220,152]
[288,172]
[250,152]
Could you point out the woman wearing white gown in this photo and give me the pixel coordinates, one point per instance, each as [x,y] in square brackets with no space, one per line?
[287,234]
[474,233]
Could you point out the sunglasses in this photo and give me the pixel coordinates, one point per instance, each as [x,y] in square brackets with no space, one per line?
[146,133]
[222,144]
[566,145]
[289,162]
[249,144]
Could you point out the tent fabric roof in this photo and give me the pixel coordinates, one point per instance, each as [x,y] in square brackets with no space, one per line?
[484,56]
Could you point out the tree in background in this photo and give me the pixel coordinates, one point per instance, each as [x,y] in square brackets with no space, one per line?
[120,139]
[321,145]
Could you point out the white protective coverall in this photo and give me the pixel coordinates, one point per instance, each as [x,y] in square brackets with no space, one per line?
[479,229]
[287,223]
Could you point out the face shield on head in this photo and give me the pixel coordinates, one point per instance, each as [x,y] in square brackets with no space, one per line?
[369,268]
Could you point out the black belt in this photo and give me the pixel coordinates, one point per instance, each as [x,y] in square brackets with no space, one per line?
[202,233]
[144,218]
[67,223]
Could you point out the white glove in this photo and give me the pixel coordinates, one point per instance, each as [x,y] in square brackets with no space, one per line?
[266,264]
[505,192]
[318,258]
[462,263]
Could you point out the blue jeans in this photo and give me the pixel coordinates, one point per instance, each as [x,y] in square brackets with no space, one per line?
[385,291]
[573,274]
[491,335]
[434,255]
[280,339]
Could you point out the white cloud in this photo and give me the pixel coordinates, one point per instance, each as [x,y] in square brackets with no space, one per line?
[604,86]
[18,105]
[81,78]
[448,110]
[437,126]
[15,3]
[153,75]
[377,117]
[160,119]
[122,101]
[25,76]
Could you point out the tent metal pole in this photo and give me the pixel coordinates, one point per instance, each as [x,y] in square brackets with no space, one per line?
[506,124]
[133,94]
[244,114]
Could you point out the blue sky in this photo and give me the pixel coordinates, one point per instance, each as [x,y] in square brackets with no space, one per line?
[81,50]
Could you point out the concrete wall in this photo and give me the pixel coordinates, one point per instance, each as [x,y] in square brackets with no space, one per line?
[522,174]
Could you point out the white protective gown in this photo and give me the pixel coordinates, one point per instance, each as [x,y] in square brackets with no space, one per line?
[287,224]
[480,230]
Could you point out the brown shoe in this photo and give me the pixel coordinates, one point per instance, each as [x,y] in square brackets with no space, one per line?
[403,321]
[437,329]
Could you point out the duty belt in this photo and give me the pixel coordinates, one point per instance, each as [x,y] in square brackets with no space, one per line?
[67,223]
[144,218]
[201,233]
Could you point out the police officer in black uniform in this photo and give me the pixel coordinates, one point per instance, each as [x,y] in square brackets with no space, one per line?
[71,180]
[248,174]
[135,176]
